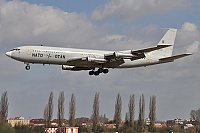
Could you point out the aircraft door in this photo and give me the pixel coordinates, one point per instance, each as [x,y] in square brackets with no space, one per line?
[28,50]
[148,60]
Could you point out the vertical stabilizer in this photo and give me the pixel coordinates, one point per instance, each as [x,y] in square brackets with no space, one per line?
[167,39]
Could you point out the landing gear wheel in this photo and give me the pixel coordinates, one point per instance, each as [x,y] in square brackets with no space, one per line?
[28,67]
[100,70]
[91,72]
[96,73]
[105,71]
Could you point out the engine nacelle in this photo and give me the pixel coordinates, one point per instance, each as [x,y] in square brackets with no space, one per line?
[135,54]
[74,68]
[96,60]
[66,67]
[129,54]
[122,55]
[138,54]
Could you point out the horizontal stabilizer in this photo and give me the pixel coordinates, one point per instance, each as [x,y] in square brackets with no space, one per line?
[172,58]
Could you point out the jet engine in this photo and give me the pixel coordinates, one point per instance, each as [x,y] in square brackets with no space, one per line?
[118,55]
[96,60]
[122,55]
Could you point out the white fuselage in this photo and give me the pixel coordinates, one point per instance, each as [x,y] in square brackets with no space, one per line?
[60,56]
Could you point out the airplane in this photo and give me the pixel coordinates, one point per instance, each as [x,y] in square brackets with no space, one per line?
[83,59]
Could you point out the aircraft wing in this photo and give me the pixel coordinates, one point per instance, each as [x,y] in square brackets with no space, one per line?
[172,58]
[93,62]
[115,58]
[152,48]
[133,54]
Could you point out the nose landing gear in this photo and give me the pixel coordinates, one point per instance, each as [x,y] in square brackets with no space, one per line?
[100,70]
[27,67]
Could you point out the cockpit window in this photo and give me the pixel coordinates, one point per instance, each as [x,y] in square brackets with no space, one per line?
[15,49]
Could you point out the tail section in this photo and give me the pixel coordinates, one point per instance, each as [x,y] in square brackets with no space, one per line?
[167,39]
[163,50]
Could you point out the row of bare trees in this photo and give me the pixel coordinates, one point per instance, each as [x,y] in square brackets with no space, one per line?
[95,117]
[129,118]
[48,111]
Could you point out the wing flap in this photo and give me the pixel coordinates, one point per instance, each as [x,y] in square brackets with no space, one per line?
[172,58]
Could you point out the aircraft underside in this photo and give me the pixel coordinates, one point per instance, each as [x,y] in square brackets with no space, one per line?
[97,69]
[71,68]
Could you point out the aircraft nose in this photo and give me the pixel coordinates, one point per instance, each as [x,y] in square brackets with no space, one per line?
[9,53]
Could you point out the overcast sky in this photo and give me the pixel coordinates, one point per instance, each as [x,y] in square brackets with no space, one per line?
[106,25]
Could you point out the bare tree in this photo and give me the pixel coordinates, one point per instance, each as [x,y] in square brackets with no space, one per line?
[95,112]
[72,110]
[126,117]
[4,108]
[118,109]
[103,119]
[48,111]
[141,113]
[152,112]
[61,100]
[195,116]
[45,115]
[131,113]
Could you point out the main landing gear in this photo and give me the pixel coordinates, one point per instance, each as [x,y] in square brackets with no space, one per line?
[27,67]
[100,70]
